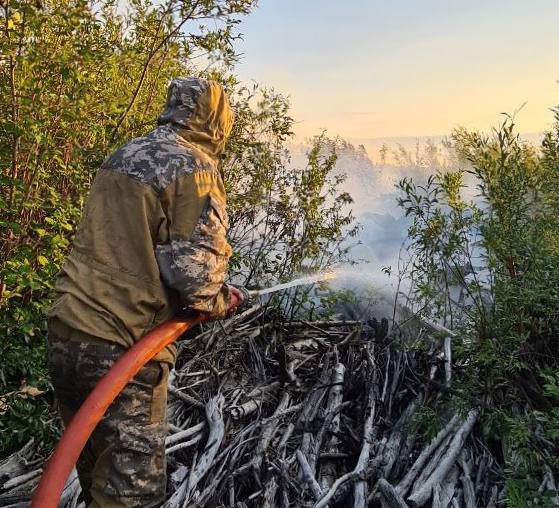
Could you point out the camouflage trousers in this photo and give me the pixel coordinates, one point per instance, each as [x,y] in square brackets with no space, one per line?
[123,463]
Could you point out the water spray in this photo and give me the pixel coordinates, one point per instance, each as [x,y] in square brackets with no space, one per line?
[302,281]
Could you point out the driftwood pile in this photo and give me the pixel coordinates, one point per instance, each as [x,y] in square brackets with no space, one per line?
[265,413]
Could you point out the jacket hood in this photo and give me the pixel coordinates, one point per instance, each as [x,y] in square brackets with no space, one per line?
[199,108]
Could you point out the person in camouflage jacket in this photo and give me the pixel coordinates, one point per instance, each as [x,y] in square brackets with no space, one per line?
[151,242]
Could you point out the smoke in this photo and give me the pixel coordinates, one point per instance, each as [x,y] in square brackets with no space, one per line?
[372,273]
[377,253]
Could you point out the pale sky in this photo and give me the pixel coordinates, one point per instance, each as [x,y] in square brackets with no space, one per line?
[380,68]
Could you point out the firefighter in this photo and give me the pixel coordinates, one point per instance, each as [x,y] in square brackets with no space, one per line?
[152,241]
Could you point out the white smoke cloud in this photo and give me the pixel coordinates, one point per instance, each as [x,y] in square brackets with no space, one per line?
[373,272]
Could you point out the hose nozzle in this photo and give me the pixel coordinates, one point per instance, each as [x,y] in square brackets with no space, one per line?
[247,298]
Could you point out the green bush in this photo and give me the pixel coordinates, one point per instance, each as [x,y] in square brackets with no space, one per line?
[501,251]
[77,79]
[80,78]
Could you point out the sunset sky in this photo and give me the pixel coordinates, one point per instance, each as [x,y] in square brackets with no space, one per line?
[372,68]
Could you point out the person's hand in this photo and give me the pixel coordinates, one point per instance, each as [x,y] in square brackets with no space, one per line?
[237,299]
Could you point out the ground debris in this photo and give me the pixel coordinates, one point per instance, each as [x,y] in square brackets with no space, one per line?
[304,414]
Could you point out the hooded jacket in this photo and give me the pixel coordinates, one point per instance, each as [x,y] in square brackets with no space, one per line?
[152,238]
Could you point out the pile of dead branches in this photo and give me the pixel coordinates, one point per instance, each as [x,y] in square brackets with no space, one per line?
[265,413]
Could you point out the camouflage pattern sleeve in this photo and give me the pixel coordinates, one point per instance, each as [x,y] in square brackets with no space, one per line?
[195,257]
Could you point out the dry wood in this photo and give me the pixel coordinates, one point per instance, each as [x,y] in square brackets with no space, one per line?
[448,488]
[185,444]
[269,497]
[183,434]
[12,483]
[348,477]
[360,490]
[186,398]
[421,496]
[216,425]
[71,490]
[257,397]
[331,416]
[392,448]
[414,470]
[392,498]
[290,414]
[433,462]
[493,497]
[308,475]
[468,488]
[448,360]
[269,430]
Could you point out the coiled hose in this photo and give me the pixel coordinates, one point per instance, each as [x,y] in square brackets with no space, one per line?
[74,438]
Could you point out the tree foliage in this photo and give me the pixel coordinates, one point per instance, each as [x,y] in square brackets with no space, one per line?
[285,219]
[487,266]
[79,78]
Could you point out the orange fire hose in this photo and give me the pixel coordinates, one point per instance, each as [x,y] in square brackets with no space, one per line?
[92,410]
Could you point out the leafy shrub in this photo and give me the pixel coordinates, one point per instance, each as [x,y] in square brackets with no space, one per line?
[285,220]
[77,79]
[488,267]
[80,78]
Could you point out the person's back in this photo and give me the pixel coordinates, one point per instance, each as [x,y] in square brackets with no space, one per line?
[151,241]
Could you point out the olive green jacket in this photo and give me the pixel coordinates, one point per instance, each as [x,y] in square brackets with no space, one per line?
[153,234]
